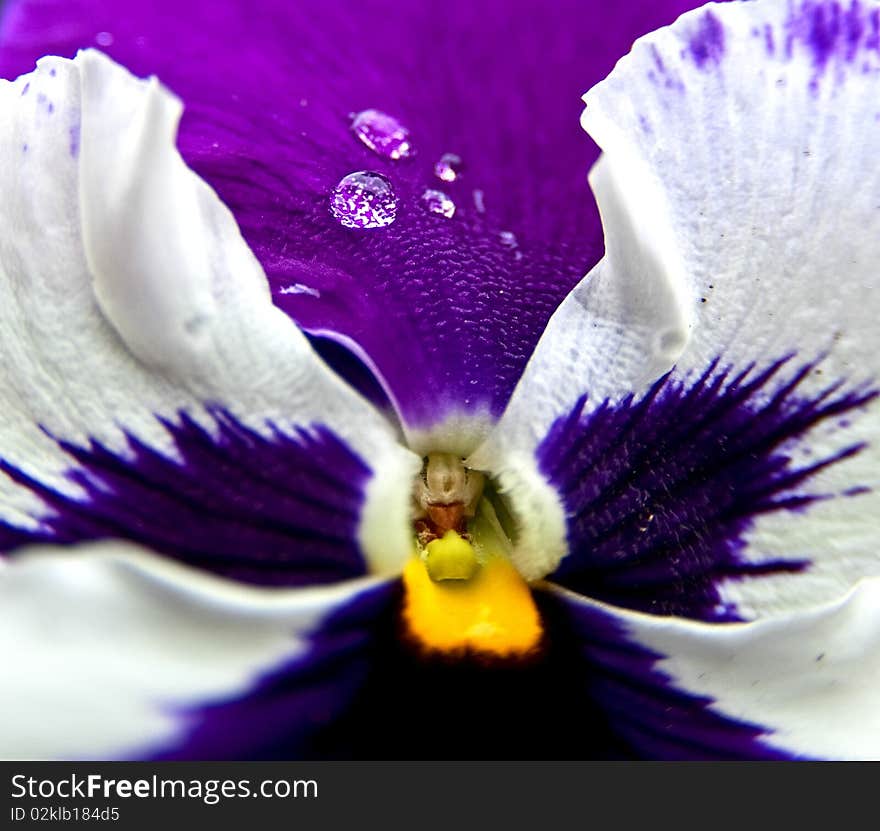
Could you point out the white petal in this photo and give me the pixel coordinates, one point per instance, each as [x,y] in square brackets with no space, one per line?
[127,292]
[105,645]
[740,194]
[809,678]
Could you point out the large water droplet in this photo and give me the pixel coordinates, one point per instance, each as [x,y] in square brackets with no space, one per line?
[438,202]
[448,168]
[382,133]
[364,200]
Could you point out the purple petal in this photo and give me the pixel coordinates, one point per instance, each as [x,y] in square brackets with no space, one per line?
[361,692]
[447,310]
[660,491]
[279,511]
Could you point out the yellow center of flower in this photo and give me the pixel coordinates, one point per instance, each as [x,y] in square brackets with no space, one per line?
[462,596]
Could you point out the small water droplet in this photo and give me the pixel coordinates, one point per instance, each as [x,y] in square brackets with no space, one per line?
[382,133]
[299,288]
[104,39]
[364,199]
[304,102]
[448,168]
[479,201]
[671,342]
[510,242]
[438,202]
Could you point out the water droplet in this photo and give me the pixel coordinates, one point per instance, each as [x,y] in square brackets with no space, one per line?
[448,168]
[364,200]
[510,242]
[382,133]
[671,343]
[479,201]
[104,39]
[438,202]
[299,288]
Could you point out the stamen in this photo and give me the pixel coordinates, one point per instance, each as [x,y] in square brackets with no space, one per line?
[445,497]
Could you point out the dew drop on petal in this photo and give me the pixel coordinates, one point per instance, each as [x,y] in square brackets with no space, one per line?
[382,133]
[437,202]
[364,199]
[448,168]
[104,39]
[510,242]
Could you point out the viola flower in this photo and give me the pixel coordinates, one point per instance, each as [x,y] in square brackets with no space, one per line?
[316,441]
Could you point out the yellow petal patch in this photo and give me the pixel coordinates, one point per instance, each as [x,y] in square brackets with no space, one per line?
[492,612]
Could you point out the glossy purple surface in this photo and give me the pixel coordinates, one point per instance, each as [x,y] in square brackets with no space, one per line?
[444,309]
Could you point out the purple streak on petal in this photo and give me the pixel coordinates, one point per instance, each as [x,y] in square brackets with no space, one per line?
[282,510]
[660,491]
[706,44]
[873,39]
[768,39]
[832,31]
[447,314]
[74,139]
[362,691]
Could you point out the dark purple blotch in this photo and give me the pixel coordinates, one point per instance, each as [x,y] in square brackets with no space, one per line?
[278,510]
[660,490]
[363,690]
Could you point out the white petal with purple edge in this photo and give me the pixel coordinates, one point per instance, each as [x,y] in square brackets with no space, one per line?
[127,292]
[807,678]
[108,645]
[741,204]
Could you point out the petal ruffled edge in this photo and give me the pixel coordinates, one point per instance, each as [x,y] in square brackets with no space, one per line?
[113,648]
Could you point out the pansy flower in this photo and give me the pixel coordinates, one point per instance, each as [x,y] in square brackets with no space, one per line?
[328,429]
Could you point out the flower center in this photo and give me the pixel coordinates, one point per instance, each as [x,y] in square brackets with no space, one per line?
[462,592]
